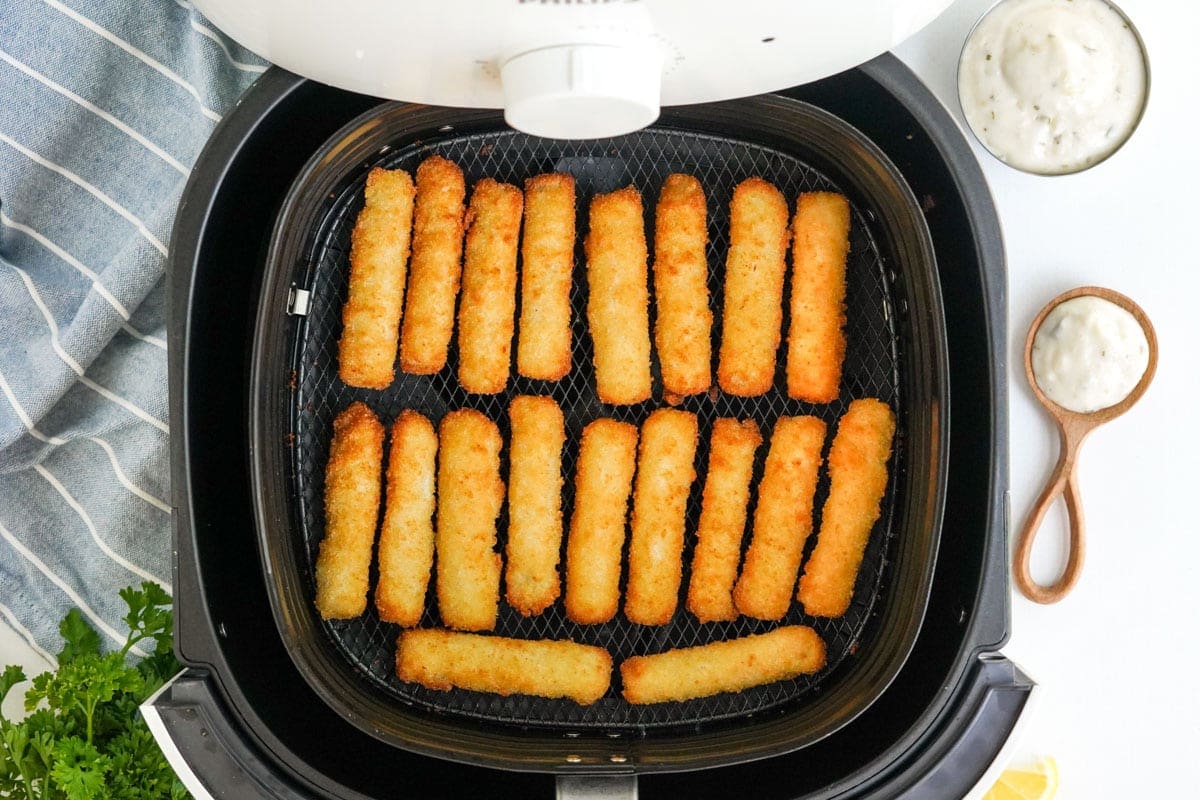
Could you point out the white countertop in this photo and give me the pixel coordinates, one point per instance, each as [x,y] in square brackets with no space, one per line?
[1117,659]
[1120,710]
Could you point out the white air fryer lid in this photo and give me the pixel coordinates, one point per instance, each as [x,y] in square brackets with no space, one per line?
[569,69]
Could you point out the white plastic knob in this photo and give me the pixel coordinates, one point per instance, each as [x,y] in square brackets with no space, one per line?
[582,91]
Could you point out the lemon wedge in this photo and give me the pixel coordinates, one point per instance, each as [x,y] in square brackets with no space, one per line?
[1038,782]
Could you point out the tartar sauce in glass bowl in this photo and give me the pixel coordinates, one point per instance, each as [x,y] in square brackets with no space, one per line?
[1089,354]
[1053,86]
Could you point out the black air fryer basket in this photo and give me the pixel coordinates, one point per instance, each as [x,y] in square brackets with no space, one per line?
[896,351]
[279,705]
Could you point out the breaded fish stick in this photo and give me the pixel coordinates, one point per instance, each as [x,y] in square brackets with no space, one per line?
[754,269]
[489,287]
[534,504]
[857,479]
[782,519]
[603,478]
[722,519]
[469,493]
[683,328]
[728,666]
[378,255]
[444,660]
[618,297]
[352,478]
[406,538]
[547,258]
[436,266]
[666,469]
[816,341]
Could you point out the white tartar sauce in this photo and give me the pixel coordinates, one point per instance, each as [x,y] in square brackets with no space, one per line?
[1089,354]
[1052,86]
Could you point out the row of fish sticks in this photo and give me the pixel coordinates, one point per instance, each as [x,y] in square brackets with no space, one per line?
[452,476]
[478,245]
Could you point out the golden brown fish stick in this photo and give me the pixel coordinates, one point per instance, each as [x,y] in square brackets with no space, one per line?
[534,504]
[547,258]
[406,538]
[445,660]
[754,270]
[436,266]
[469,496]
[782,519]
[378,256]
[682,330]
[352,478]
[722,519]
[665,471]
[618,297]
[857,479]
[816,341]
[728,666]
[489,287]
[603,478]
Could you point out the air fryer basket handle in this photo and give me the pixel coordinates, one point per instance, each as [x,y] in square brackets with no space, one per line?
[596,787]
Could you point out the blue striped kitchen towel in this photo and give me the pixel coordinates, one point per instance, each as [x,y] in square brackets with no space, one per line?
[104,106]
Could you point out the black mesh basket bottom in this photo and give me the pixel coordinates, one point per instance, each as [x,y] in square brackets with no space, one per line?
[643,160]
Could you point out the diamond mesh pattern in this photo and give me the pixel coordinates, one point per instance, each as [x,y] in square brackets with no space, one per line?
[643,159]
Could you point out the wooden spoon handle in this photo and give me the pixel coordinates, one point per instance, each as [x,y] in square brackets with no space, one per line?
[1062,482]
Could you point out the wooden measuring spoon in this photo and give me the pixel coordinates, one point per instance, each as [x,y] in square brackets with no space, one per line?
[1073,428]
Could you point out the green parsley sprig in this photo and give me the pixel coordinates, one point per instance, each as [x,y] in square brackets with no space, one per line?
[84,738]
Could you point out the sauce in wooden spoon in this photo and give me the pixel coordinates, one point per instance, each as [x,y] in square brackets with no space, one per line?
[1074,426]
